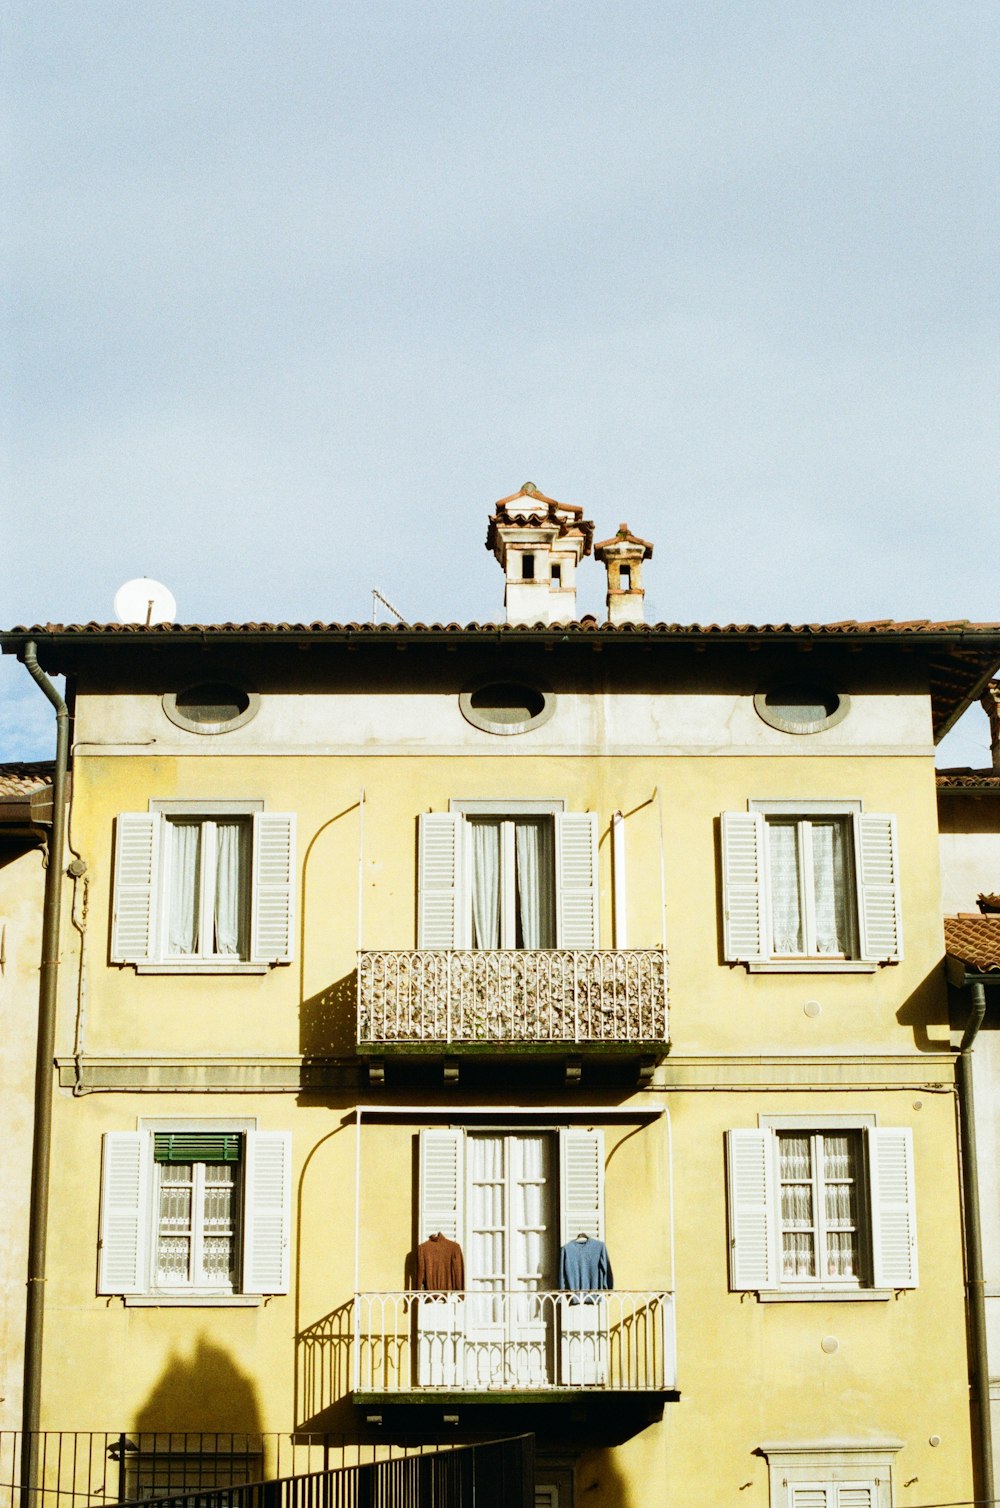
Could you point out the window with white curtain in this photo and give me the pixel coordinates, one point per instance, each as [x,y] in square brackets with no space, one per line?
[512,882]
[819,1176]
[821,1205]
[203,887]
[194,1211]
[510,1212]
[811,910]
[207,887]
[810,886]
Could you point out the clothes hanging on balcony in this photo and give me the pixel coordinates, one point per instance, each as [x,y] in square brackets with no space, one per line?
[440,1264]
[584,1265]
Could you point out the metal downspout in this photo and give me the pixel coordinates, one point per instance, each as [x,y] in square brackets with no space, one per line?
[45,1051]
[973,1226]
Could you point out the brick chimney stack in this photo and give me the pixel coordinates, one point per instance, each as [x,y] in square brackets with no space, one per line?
[623,557]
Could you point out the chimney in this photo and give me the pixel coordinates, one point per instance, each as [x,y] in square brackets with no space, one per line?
[539,543]
[623,557]
[990,702]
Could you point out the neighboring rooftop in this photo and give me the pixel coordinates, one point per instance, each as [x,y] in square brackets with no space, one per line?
[964,778]
[20,779]
[973,942]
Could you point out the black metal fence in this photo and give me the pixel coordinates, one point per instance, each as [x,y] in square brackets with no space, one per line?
[94,1469]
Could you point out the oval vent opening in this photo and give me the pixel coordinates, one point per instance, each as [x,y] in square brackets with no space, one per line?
[506,706]
[211,707]
[801,707]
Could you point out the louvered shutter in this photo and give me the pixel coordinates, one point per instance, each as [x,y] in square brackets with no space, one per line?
[442,902]
[753,1212]
[272,931]
[136,846]
[125,1214]
[856,1495]
[581,1184]
[894,1223]
[878,887]
[808,1495]
[576,880]
[266,1211]
[744,910]
[442,1183]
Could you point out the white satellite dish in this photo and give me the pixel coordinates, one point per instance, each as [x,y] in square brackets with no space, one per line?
[145,601]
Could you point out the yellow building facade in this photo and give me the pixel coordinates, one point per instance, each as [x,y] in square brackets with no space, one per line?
[610,956]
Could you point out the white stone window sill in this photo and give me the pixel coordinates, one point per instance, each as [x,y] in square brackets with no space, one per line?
[202,966]
[812,966]
[193,1300]
[824,1295]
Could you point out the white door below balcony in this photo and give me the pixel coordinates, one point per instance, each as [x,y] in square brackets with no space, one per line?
[513,1342]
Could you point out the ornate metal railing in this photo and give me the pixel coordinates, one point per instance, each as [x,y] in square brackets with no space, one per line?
[612,1341]
[512,995]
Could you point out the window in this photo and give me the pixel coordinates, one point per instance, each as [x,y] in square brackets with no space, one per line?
[515,875]
[810,885]
[201,888]
[821,1208]
[190,1213]
[851,1475]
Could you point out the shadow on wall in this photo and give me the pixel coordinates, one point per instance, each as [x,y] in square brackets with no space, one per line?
[926,1012]
[599,1483]
[206,1392]
[328,1020]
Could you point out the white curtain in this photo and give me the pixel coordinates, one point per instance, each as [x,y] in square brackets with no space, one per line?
[485,884]
[535,865]
[229,889]
[797,1216]
[786,914]
[829,871]
[185,873]
[839,1171]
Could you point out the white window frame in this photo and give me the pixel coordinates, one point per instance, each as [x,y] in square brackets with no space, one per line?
[140,914]
[132,1188]
[886,1209]
[505,813]
[206,822]
[747,890]
[444,899]
[197,1282]
[828,1467]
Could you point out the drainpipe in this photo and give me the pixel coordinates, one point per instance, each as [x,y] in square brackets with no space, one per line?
[973,1225]
[45,1051]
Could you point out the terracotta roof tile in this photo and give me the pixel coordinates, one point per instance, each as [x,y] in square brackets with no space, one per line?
[21,779]
[881,626]
[974,941]
[968,779]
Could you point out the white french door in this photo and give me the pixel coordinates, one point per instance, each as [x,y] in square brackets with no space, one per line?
[510,1257]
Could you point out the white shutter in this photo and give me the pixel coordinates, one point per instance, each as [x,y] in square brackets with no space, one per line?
[856,1495]
[894,1222]
[753,1211]
[576,880]
[266,1211]
[878,887]
[125,1214]
[743,903]
[809,1495]
[442,902]
[136,848]
[442,1183]
[581,1184]
[271,935]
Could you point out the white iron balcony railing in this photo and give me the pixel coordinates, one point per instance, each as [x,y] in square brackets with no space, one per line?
[512,995]
[485,1342]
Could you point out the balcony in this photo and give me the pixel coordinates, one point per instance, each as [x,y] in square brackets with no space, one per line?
[537,1346]
[463,1001]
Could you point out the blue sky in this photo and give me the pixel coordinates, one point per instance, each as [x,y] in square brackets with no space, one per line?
[299,289]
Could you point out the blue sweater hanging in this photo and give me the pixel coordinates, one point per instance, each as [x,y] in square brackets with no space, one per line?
[584,1266]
